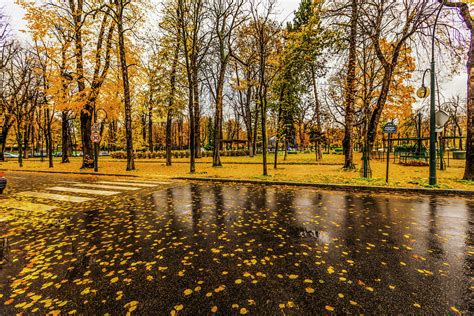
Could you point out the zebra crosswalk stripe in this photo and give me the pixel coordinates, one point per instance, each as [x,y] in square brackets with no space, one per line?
[84,191]
[132,184]
[144,182]
[26,206]
[103,186]
[57,197]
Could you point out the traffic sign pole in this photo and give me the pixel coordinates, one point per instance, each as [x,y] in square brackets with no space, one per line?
[388,155]
[389,129]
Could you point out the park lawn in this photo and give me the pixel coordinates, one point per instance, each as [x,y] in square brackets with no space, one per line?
[400,176]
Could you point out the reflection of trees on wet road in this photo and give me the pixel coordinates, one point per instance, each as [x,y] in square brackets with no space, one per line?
[220,206]
[435,247]
[467,299]
[260,248]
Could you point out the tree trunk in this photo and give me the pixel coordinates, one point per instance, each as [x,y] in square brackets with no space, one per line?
[180,133]
[263,118]
[65,136]
[255,129]
[126,88]
[216,158]
[150,129]
[192,137]
[49,137]
[86,111]
[348,141]
[169,114]
[469,170]
[197,113]
[277,135]
[20,150]
[87,150]
[317,112]
[377,112]
[26,136]
[5,130]
[144,127]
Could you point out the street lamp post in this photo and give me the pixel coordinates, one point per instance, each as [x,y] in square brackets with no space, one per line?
[423,93]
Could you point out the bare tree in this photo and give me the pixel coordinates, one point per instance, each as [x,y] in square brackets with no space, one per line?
[226,16]
[265,36]
[469,22]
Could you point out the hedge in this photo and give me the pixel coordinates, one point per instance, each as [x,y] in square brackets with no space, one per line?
[176,154]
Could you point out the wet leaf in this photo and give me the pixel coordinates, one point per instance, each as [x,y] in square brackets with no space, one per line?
[309,290]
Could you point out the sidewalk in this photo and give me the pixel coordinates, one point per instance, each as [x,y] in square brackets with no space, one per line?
[402,178]
[341,187]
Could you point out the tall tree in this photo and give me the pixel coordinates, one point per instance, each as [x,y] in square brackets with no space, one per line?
[190,18]
[266,34]
[226,17]
[350,91]
[469,22]
[119,16]
[379,25]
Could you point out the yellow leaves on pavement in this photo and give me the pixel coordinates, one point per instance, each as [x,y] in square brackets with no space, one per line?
[114,280]
[179,307]
[188,292]
[238,281]
[131,306]
[214,309]
[243,311]
[293,276]
[46,285]
[86,291]
[309,290]
[417,305]
[330,270]
[329,308]
[454,309]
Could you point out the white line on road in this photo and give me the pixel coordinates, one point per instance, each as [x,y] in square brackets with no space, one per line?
[26,206]
[58,197]
[85,191]
[132,184]
[145,182]
[102,186]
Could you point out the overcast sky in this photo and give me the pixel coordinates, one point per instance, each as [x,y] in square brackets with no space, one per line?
[449,87]
[285,11]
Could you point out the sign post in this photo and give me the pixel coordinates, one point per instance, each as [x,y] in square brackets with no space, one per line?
[389,129]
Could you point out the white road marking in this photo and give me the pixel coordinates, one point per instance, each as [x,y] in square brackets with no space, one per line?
[26,206]
[58,197]
[84,191]
[102,186]
[146,182]
[132,184]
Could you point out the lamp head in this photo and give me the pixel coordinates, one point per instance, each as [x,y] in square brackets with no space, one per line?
[423,92]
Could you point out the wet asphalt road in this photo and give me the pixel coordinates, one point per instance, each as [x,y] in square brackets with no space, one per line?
[189,248]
